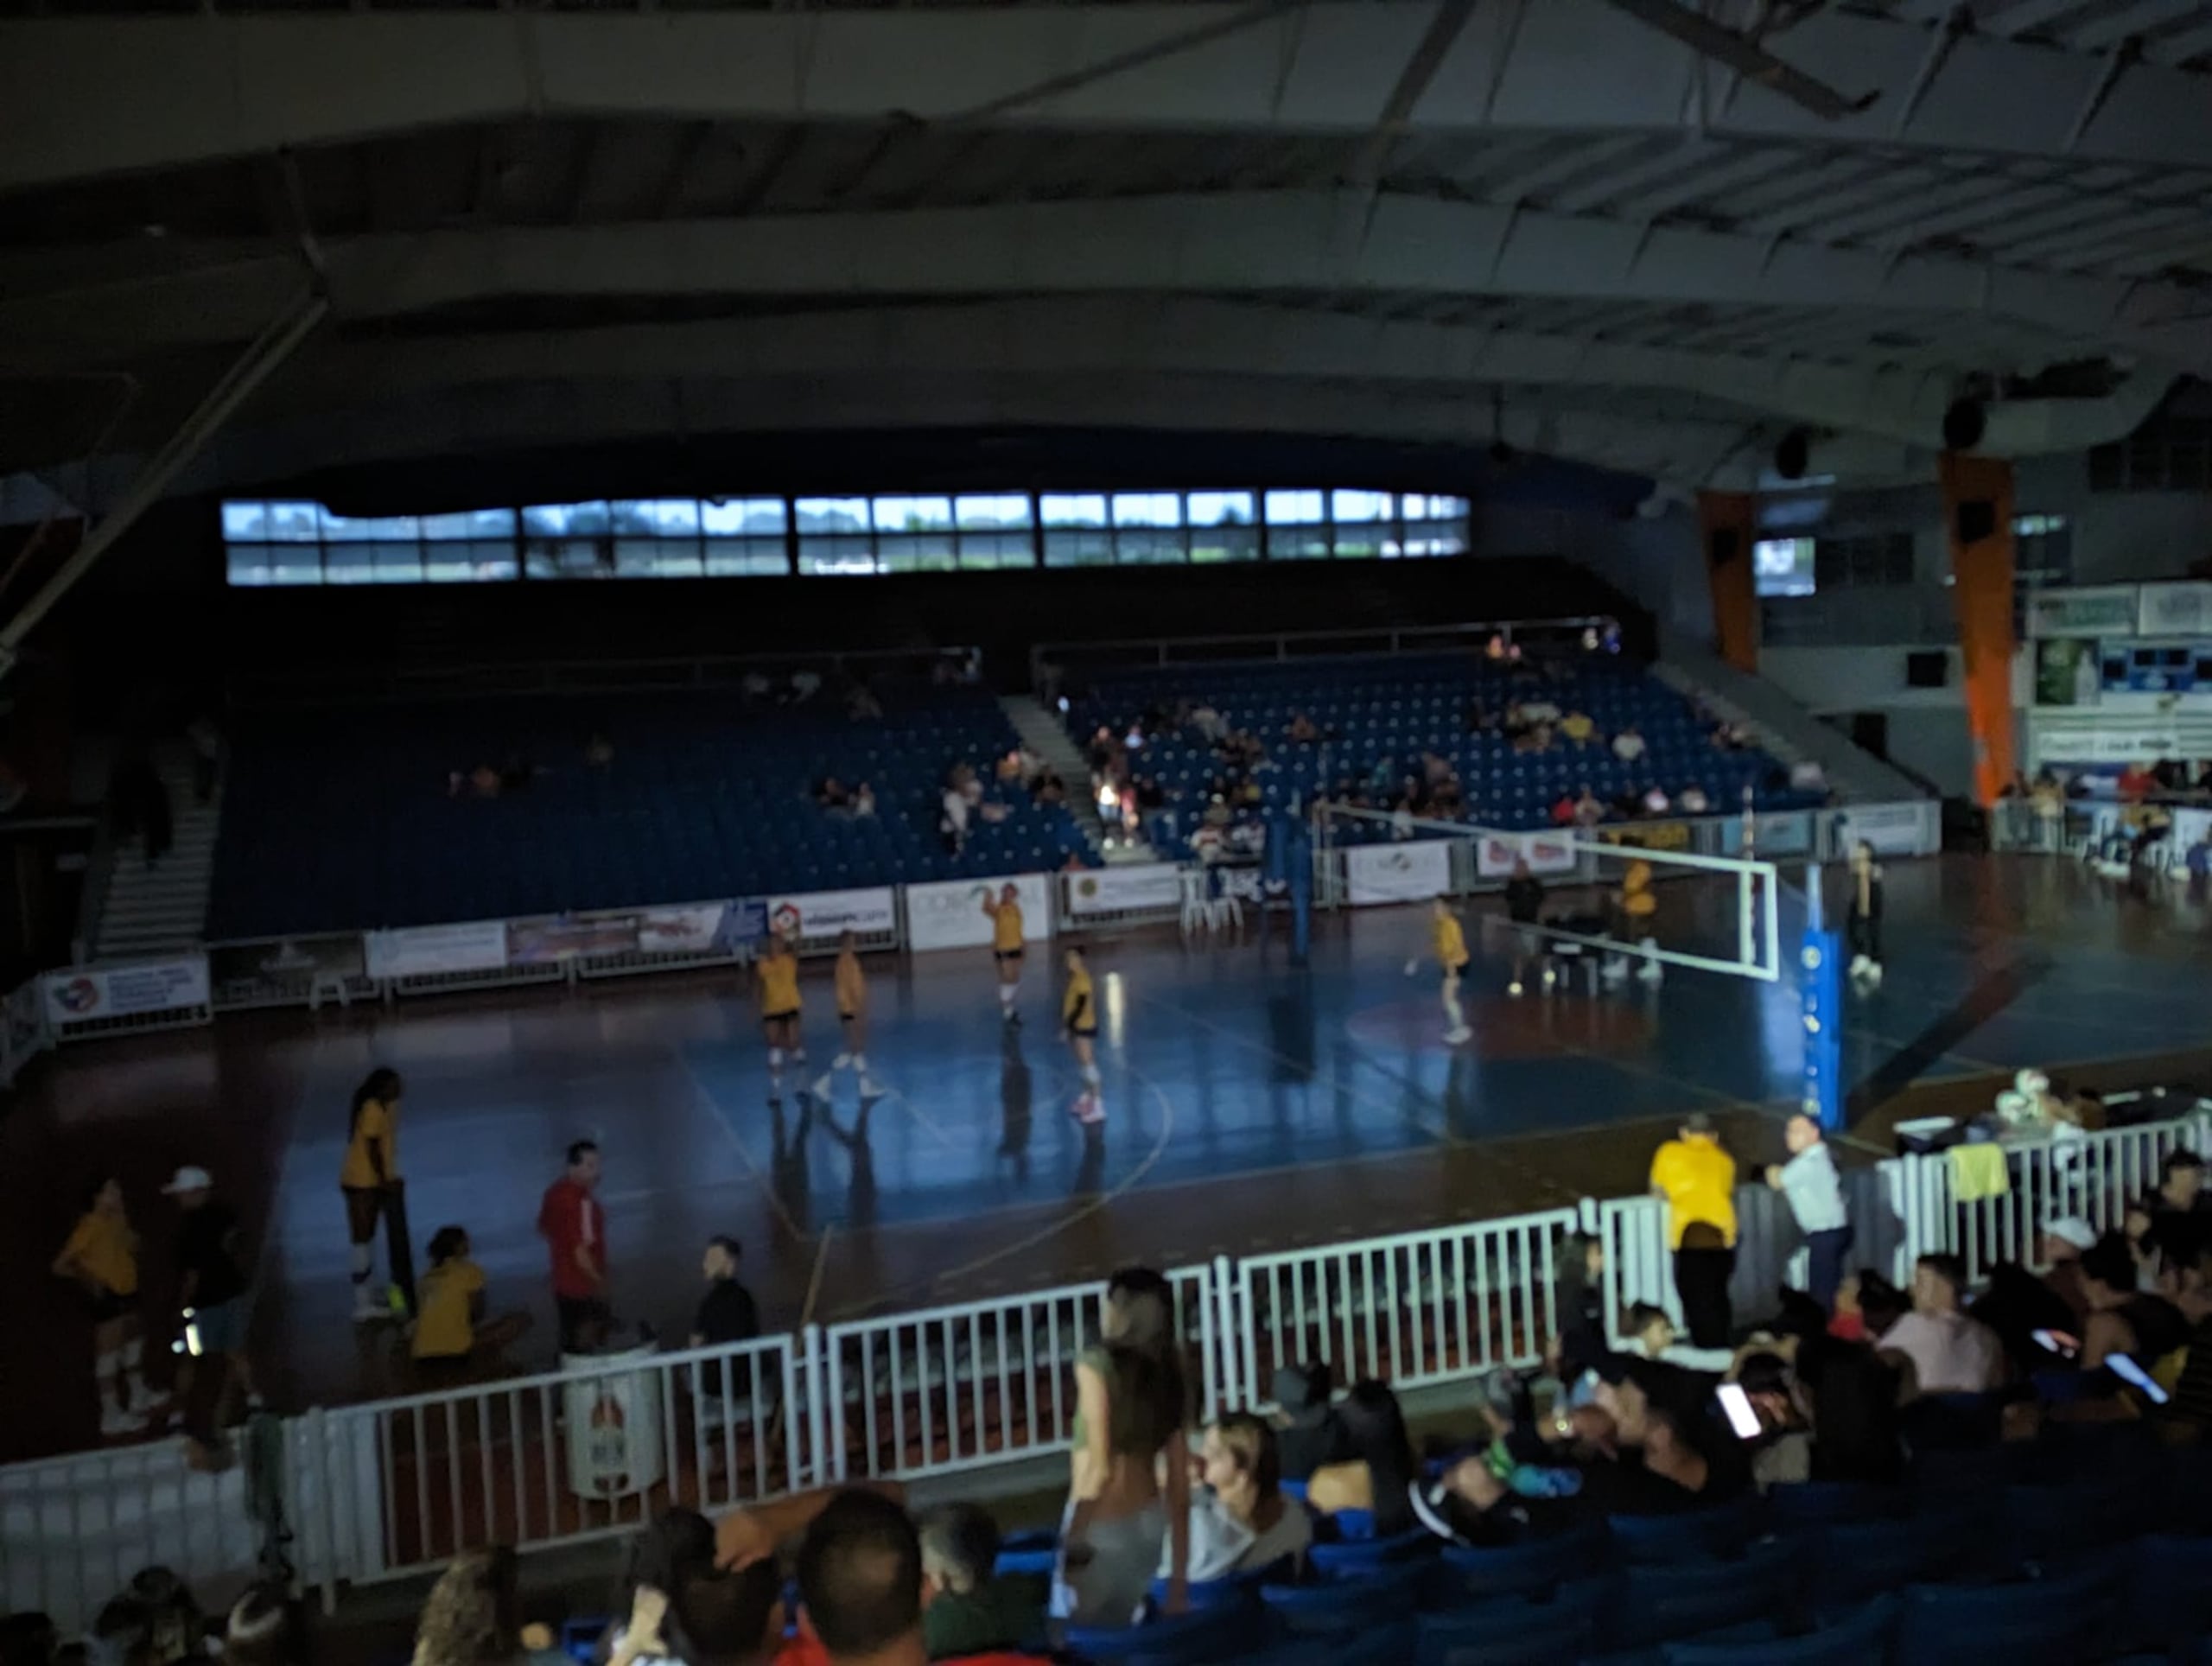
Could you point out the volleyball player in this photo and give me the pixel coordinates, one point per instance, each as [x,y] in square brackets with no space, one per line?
[1449,945]
[102,1258]
[852,1022]
[1005,915]
[776,980]
[369,1180]
[1079,1028]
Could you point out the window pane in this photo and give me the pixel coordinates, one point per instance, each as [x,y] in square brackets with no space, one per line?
[1149,543]
[1414,507]
[1441,538]
[1362,506]
[470,525]
[1082,549]
[349,564]
[748,557]
[1294,508]
[1147,509]
[592,557]
[263,563]
[1364,541]
[1221,508]
[555,520]
[243,522]
[831,556]
[657,558]
[1783,566]
[986,549]
[294,522]
[396,563]
[1298,543]
[913,514]
[916,552]
[489,562]
[343,529]
[1224,544]
[1073,511]
[984,514]
[667,518]
[749,517]
[833,515]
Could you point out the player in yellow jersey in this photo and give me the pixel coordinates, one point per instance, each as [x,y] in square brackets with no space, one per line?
[852,1020]
[777,976]
[102,1258]
[1005,914]
[1079,1026]
[1449,945]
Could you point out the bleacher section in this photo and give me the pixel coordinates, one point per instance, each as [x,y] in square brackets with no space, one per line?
[1379,714]
[341,818]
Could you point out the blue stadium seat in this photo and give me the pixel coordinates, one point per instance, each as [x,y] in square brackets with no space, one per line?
[1338,1607]
[1522,1569]
[1028,1553]
[2052,1622]
[1690,1535]
[1861,1638]
[1854,1560]
[1662,1602]
[1512,1633]
[1222,1632]
[1354,1556]
[1821,1504]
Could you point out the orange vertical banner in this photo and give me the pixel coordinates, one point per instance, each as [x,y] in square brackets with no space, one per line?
[1727,525]
[1978,524]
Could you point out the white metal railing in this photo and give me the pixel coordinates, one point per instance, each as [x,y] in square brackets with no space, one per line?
[1416,1308]
[982,1383]
[397,1487]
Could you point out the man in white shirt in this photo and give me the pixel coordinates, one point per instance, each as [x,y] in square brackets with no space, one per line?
[1628,745]
[1815,1190]
[1949,1352]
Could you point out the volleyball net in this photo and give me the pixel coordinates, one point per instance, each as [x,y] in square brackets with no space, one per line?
[1610,892]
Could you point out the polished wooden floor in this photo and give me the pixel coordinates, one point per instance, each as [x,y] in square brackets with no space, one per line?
[1253,1105]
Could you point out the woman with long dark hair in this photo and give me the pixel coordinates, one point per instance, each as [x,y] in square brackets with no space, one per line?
[373,1191]
[1380,1476]
[1129,1410]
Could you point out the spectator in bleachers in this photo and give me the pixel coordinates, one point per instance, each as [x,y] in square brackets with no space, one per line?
[1578,728]
[1516,722]
[1301,730]
[450,1327]
[1628,745]
[862,1590]
[1948,1351]
[265,1628]
[473,1616]
[2064,1242]
[952,824]
[1693,801]
[971,1607]
[1209,723]
[1309,1434]
[1781,1452]
[1401,818]
[805,684]
[861,706]
[1130,1409]
[1589,807]
[1806,775]
[1563,809]
[2141,1324]
[863,801]
[1660,1457]
[832,795]
[2181,1215]
[1696,1177]
[1647,1331]
[1655,801]
[1241,1523]
[1379,1475]
[1579,1300]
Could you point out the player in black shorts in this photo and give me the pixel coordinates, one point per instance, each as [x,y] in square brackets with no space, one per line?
[1079,1024]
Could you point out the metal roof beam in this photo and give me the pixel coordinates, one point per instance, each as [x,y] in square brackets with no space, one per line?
[82,96]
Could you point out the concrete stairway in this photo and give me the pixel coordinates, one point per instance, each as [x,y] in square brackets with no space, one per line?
[1044,732]
[162,908]
[1781,726]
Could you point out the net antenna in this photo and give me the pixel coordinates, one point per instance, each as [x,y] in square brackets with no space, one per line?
[1715,913]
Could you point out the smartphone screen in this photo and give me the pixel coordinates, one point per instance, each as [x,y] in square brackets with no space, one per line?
[1738,1406]
[2056,1342]
[2135,1376]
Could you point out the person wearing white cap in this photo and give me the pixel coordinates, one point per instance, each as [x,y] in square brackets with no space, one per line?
[211,1293]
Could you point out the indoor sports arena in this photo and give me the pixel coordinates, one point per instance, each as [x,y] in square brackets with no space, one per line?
[1330,830]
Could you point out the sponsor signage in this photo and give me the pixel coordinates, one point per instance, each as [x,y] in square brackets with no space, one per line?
[2177,609]
[1892,830]
[1545,853]
[1781,833]
[697,928]
[1118,890]
[869,913]
[289,958]
[1648,836]
[2100,610]
[546,942]
[950,913]
[1413,872]
[434,950]
[85,995]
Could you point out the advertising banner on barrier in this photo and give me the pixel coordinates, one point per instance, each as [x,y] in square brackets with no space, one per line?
[949,914]
[544,942]
[1545,853]
[1118,890]
[698,928]
[1783,833]
[1892,830]
[85,994]
[431,950]
[1413,872]
[291,957]
[2101,610]
[872,912]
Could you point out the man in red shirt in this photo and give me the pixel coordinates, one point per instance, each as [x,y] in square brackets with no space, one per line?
[574,1226]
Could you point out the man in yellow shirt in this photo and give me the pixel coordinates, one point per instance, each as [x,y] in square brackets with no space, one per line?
[1697,1180]
[852,1019]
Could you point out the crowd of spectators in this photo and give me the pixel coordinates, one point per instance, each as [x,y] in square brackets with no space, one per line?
[155,1620]
[1231,801]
